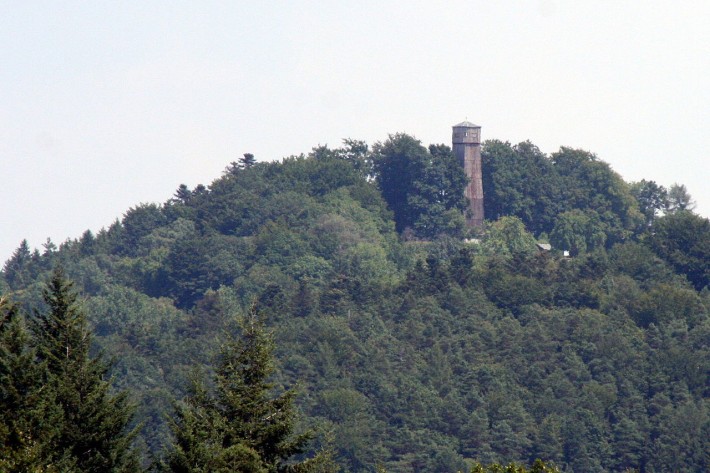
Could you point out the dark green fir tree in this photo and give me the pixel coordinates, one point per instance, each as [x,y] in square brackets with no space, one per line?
[93,428]
[242,426]
[28,413]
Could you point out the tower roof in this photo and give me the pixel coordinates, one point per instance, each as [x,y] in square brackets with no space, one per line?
[466,124]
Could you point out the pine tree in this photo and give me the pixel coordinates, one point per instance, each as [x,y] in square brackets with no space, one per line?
[93,429]
[16,269]
[200,444]
[242,426]
[28,414]
[247,161]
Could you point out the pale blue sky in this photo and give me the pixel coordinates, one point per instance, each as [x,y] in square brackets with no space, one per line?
[104,105]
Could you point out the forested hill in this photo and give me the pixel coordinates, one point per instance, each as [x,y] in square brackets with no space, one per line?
[418,345]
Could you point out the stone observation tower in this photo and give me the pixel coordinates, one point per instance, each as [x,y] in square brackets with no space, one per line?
[466,142]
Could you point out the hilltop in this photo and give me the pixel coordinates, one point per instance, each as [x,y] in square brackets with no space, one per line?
[414,347]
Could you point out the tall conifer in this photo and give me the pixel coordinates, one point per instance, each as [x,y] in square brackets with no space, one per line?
[242,426]
[94,423]
[28,414]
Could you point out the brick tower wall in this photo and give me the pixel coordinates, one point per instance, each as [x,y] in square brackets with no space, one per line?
[466,142]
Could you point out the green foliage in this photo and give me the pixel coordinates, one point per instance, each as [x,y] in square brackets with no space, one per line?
[93,426]
[679,199]
[520,181]
[587,183]
[683,240]
[57,411]
[137,223]
[18,269]
[577,232]
[652,199]
[242,426]
[424,188]
[507,238]
[593,202]
[537,467]
[28,414]
[247,161]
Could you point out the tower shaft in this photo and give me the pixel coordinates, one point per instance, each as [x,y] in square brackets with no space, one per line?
[466,141]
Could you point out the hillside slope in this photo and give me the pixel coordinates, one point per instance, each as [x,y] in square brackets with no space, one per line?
[419,354]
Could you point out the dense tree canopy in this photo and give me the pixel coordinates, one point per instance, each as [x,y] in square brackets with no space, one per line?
[683,240]
[652,199]
[521,181]
[423,188]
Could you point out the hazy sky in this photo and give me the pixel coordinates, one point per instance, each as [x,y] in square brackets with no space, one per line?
[104,105]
